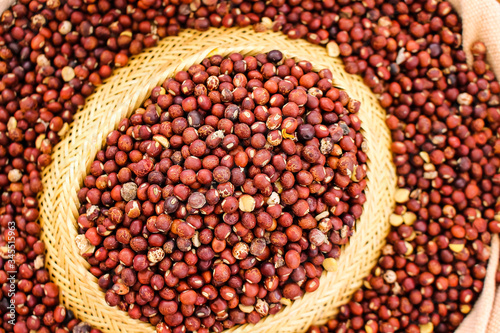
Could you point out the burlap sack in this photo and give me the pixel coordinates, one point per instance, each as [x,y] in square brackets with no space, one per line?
[494,321]
[481,22]
[4,4]
[485,315]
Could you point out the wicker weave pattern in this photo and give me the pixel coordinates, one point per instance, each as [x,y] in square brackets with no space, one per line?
[125,91]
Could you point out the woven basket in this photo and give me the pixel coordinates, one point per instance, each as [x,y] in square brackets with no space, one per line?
[124,92]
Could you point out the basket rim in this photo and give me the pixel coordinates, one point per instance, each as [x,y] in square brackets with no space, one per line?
[146,83]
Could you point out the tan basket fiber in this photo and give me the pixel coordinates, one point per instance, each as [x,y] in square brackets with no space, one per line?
[124,92]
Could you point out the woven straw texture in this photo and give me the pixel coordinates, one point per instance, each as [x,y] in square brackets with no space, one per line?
[124,92]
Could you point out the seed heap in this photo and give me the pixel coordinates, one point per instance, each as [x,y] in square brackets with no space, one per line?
[53,54]
[221,197]
[444,118]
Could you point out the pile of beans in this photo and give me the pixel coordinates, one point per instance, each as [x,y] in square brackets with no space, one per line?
[443,114]
[444,117]
[447,154]
[220,198]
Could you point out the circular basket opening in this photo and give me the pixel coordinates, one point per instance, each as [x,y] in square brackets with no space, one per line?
[124,92]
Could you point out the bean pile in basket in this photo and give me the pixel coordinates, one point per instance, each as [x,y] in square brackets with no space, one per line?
[226,194]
